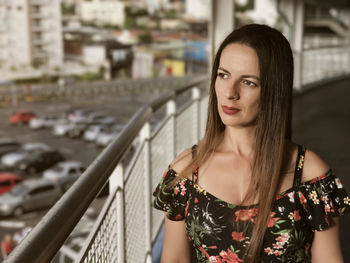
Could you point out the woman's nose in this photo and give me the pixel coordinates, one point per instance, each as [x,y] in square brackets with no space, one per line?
[232,92]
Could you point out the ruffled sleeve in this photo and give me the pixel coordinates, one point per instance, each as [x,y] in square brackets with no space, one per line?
[323,197]
[172,198]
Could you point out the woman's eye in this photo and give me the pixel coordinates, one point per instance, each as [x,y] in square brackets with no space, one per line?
[222,75]
[249,83]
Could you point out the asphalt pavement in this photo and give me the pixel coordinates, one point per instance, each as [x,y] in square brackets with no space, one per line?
[321,122]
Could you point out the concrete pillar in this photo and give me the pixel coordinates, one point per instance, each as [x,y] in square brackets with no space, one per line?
[297,42]
[221,23]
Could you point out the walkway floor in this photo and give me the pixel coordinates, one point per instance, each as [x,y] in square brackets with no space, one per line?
[321,122]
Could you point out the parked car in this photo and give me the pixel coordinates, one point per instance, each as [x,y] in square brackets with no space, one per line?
[8,145]
[44,122]
[10,159]
[79,114]
[92,132]
[8,181]
[23,116]
[105,120]
[39,161]
[105,138]
[65,173]
[29,195]
[62,129]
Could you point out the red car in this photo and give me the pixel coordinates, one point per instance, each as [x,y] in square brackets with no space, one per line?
[8,180]
[22,117]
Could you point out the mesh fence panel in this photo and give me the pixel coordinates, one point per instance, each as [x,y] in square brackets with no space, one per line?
[161,156]
[104,246]
[135,221]
[184,132]
[203,108]
[323,63]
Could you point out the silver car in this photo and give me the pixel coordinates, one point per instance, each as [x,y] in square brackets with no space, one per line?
[10,159]
[65,173]
[29,195]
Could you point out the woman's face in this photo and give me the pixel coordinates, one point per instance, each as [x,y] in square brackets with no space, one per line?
[237,85]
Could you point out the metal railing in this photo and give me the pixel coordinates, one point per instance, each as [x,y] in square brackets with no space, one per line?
[121,234]
[126,226]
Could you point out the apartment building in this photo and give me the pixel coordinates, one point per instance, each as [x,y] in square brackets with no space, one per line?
[30,34]
[103,12]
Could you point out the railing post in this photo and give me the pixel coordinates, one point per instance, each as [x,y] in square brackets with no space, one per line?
[196,115]
[117,180]
[145,135]
[170,111]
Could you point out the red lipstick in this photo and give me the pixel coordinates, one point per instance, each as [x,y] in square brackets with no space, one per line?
[230,110]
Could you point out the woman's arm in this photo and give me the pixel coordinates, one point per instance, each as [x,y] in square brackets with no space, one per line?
[326,245]
[176,246]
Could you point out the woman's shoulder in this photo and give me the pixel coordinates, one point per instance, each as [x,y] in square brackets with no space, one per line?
[313,166]
[182,161]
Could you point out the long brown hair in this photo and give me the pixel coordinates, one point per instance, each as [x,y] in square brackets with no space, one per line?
[273,121]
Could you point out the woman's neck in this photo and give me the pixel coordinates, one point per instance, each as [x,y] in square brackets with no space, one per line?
[238,141]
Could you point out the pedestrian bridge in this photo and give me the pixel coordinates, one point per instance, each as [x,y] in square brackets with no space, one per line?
[127,226]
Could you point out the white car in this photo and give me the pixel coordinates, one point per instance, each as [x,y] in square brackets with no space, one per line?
[93,131]
[65,173]
[105,138]
[45,122]
[10,159]
[62,129]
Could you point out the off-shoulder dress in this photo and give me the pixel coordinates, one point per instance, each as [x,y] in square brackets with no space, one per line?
[211,223]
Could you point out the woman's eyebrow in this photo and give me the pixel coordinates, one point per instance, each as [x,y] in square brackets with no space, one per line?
[243,76]
[226,71]
[251,76]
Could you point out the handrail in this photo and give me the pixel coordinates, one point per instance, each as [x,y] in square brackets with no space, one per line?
[60,220]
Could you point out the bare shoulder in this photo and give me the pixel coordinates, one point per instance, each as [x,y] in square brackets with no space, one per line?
[314,166]
[182,161]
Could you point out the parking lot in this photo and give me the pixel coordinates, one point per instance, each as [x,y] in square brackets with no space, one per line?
[122,108]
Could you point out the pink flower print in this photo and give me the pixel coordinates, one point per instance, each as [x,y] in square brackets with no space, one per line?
[283,238]
[164,174]
[302,197]
[347,200]
[277,245]
[246,214]
[230,256]
[183,191]
[294,216]
[272,220]
[186,209]
[268,251]
[195,200]
[278,252]
[176,190]
[238,236]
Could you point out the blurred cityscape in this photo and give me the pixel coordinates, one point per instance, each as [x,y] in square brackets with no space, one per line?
[73,73]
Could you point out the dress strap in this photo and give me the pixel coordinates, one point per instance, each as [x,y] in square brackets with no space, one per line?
[299,165]
[195,171]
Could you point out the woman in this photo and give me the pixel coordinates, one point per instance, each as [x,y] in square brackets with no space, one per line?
[247,193]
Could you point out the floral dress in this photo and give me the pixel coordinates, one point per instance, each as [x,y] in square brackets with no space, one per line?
[211,223]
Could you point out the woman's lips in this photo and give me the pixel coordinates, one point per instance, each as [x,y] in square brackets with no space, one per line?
[230,110]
